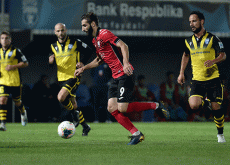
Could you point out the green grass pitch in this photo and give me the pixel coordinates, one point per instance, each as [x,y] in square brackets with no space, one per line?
[166,143]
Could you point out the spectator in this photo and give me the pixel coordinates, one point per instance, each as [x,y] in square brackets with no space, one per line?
[142,93]
[167,91]
[181,96]
[101,76]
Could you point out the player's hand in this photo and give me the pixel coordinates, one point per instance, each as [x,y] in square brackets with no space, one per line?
[78,72]
[10,67]
[79,65]
[208,63]
[181,79]
[51,59]
[128,69]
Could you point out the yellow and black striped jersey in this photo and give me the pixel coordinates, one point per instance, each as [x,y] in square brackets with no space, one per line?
[11,56]
[67,55]
[202,49]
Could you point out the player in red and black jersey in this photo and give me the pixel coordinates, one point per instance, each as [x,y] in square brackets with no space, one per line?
[113,51]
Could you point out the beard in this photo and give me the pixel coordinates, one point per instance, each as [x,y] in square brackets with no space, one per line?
[197,30]
[90,31]
[62,37]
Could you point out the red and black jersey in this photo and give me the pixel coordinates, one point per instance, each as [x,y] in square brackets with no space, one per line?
[105,44]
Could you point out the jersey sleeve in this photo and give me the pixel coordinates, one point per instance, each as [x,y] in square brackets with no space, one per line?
[85,51]
[108,36]
[50,50]
[217,44]
[20,56]
[185,48]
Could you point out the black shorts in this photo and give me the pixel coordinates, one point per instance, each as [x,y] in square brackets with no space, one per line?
[71,85]
[212,89]
[16,92]
[122,88]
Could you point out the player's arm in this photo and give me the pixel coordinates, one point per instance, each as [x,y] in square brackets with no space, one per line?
[184,63]
[219,48]
[95,63]
[51,55]
[85,53]
[125,53]
[21,64]
[219,59]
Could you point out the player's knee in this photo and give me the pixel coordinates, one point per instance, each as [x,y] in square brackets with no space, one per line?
[215,106]
[194,106]
[3,100]
[74,106]
[122,110]
[61,98]
[111,108]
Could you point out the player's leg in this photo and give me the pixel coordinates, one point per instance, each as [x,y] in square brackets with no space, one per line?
[197,94]
[137,136]
[215,95]
[67,97]
[65,93]
[123,89]
[218,114]
[195,102]
[143,106]
[3,112]
[120,117]
[126,86]
[16,95]
[64,98]
[81,119]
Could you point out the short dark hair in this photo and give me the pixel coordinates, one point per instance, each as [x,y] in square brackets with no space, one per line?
[90,17]
[199,14]
[6,33]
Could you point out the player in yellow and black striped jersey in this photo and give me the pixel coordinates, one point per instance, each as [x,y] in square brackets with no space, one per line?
[206,51]
[11,59]
[68,54]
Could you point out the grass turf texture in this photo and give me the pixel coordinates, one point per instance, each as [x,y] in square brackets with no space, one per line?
[164,144]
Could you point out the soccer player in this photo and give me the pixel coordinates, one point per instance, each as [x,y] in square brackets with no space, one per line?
[66,53]
[206,51]
[11,61]
[113,51]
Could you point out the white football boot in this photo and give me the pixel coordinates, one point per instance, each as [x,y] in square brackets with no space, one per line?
[24,118]
[3,127]
[221,138]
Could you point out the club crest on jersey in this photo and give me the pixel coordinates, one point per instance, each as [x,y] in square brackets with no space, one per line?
[70,46]
[10,54]
[98,44]
[206,41]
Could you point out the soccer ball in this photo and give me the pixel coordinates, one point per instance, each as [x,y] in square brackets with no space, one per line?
[66,129]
